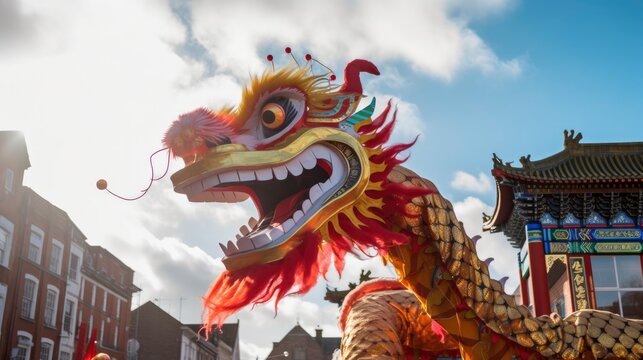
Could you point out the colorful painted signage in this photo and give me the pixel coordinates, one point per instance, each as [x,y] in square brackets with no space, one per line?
[579,283]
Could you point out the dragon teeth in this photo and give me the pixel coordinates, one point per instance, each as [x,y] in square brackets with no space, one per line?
[252,222]
[245,244]
[261,240]
[315,192]
[307,160]
[306,205]
[294,167]
[232,248]
[281,172]
[244,230]
[247,175]
[224,249]
[264,174]
[288,224]
[230,176]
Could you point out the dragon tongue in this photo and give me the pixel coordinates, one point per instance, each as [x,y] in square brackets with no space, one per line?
[288,206]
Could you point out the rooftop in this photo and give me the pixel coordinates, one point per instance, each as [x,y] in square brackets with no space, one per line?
[579,163]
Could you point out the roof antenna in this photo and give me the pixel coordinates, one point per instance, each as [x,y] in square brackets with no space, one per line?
[101,184]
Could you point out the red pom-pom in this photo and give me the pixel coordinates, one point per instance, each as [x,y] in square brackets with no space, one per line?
[308,57]
[288,50]
[333,77]
[269,57]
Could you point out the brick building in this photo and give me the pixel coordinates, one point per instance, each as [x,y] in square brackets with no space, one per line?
[299,345]
[160,336]
[41,253]
[105,300]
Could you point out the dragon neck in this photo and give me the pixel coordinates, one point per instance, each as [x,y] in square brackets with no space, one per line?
[440,265]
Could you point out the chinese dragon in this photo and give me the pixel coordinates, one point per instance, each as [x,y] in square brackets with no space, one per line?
[325,183]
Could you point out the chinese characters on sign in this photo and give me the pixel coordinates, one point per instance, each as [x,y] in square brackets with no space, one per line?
[579,283]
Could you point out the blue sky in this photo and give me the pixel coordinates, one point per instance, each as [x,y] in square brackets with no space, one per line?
[94,85]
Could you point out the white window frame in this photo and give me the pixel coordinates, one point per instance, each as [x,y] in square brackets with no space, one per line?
[102,332]
[76,272]
[3,301]
[104,301]
[54,310]
[72,316]
[26,346]
[617,289]
[94,295]
[50,342]
[91,325]
[118,308]
[9,177]
[37,242]
[56,265]
[6,226]
[64,355]
[32,310]
[116,336]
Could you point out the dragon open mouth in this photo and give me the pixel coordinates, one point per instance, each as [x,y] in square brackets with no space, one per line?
[287,194]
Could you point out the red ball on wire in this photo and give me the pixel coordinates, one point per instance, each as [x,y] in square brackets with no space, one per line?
[269,57]
[288,50]
[101,184]
[308,57]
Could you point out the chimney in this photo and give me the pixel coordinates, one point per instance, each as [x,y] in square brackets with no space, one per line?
[318,335]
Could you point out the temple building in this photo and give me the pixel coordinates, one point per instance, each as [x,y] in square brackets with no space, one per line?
[577,218]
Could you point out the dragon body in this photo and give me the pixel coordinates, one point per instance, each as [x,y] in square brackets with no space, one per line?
[325,183]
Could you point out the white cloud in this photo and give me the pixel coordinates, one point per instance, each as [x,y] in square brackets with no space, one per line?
[505,263]
[431,36]
[466,182]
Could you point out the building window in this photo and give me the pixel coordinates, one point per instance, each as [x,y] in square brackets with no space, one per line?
[118,308]
[56,258]
[8,180]
[300,353]
[46,349]
[101,336]
[3,301]
[73,267]
[116,336]
[68,315]
[35,244]
[91,325]
[65,355]
[24,346]
[51,306]
[28,310]
[105,301]
[6,235]
[618,284]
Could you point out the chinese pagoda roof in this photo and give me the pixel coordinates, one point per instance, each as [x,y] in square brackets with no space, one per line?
[579,163]
[522,192]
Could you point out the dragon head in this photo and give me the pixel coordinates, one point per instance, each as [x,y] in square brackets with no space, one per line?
[314,166]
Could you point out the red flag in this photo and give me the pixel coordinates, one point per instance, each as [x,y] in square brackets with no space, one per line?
[80,344]
[91,347]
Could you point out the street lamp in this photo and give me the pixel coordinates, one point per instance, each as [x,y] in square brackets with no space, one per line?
[285,354]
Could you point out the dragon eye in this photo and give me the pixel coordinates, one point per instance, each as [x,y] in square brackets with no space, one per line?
[273,116]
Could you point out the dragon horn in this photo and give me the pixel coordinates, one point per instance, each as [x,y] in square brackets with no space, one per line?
[352,83]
